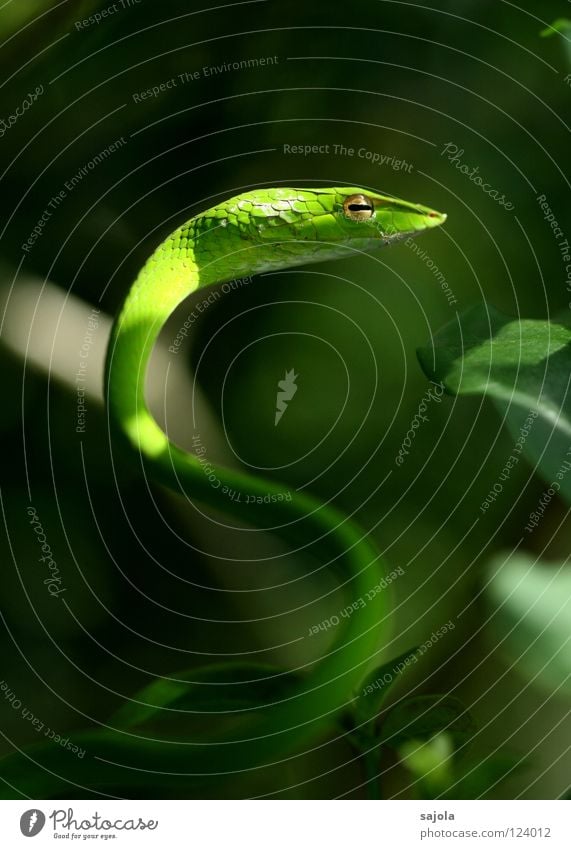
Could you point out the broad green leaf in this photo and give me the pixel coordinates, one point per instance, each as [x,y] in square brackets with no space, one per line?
[138,763]
[532,604]
[228,693]
[422,717]
[525,368]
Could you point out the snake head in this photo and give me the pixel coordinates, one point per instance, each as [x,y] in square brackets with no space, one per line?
[274,228]
[335,219]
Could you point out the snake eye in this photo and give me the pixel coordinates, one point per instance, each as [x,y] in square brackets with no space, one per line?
[358,207]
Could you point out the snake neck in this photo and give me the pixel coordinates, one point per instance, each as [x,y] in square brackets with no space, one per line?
[159,288]
[210,248]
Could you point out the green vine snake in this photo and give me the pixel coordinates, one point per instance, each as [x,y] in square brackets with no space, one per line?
[261,230]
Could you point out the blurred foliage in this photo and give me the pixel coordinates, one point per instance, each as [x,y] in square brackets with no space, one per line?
[533,621]
[525,367]
[561,25]
[437,775]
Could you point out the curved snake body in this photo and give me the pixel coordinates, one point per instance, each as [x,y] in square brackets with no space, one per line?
[255,232]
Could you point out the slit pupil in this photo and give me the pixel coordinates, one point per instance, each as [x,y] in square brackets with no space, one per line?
[357,207]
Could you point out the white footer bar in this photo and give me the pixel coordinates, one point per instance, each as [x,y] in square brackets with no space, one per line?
[287,824]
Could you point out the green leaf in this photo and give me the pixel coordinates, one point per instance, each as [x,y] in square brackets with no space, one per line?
[188,713]
[525,368]
[561,25]
[532,603]
[369,700]
[230,693]
[422,717]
